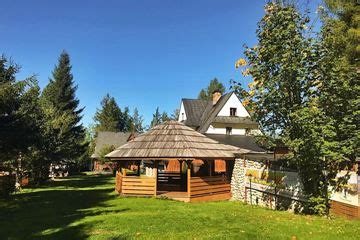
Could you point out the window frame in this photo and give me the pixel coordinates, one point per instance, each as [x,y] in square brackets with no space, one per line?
[228,131]
[233,112]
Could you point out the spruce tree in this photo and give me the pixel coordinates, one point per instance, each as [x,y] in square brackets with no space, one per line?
[22,141]
[126,121]
[156,118]
[175,114]
[138,121]
[63,113]
[165,117]
[109,116]
[214,85]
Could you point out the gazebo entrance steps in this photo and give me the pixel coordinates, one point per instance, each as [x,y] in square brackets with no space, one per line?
[178,196]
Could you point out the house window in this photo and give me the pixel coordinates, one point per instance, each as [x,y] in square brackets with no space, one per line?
[232,112]
[228,130]
[182,116]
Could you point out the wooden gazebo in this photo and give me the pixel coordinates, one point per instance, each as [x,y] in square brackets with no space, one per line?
[197,178]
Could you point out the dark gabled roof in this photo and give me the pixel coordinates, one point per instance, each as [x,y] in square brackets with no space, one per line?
[234,119]
[212,111]
[194,109]
[115,139]
[240,141]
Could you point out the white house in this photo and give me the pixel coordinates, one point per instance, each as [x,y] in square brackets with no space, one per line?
[224,118]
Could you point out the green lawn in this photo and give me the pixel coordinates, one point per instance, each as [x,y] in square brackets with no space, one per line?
[87,207]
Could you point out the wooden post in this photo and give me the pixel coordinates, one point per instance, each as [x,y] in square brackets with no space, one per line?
[181,175]
[155,171]
[211,163]
[138,170]
[124,172]
[189,167]
[180,161]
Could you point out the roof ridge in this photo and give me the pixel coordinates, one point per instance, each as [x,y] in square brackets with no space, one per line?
[206,121]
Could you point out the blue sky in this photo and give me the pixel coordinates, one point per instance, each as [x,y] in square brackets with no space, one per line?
[145,53]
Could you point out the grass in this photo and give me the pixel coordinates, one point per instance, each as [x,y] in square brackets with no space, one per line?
[86,207]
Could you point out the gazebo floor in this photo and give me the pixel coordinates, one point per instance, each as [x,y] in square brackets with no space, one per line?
[179,196]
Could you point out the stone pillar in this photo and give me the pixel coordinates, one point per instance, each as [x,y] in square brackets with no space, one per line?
[238,180]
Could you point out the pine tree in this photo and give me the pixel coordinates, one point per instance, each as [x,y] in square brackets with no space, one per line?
[203,95]
[138,121]
[165,117]
[214,85]
[22,141]
[175,114]
[62,113]
[126,121]
[156,118]
[109,116]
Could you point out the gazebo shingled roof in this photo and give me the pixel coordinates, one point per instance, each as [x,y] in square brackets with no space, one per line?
[173,140]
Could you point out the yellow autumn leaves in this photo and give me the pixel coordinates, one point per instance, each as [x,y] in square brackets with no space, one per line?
[246,72]
[240,63]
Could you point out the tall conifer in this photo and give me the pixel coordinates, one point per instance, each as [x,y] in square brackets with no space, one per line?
[109,116]
[63,113]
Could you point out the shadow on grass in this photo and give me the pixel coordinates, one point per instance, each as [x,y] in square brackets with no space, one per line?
[56,213]
[78,181]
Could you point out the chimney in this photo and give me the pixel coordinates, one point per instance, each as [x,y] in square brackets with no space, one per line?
[216,96]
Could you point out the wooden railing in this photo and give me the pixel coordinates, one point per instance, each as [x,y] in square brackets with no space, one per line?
[118,182]
[135,185]
[209,188]
[170,181]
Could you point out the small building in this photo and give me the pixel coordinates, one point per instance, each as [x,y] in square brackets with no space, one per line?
[108,139]
[197,179]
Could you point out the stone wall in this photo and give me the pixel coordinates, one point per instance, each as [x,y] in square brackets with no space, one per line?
[254,182]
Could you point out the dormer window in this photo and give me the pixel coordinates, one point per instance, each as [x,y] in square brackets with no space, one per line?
[228,130]
[232,112]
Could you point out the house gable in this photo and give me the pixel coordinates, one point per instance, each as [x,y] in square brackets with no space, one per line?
[233,102]
[182,112]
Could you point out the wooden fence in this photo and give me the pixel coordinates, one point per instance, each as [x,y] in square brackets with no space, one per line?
[135,185]
[209,188]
